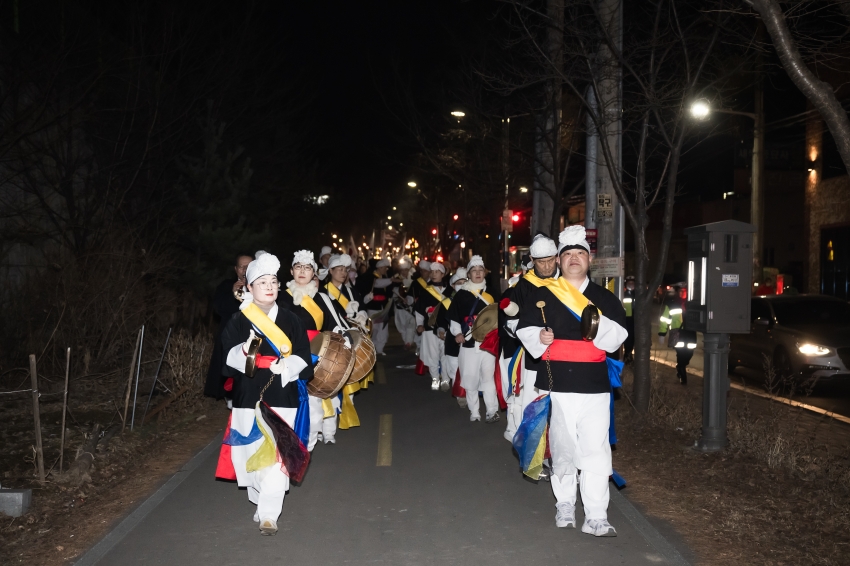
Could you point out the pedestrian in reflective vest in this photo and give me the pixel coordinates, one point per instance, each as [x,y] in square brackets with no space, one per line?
[682,340]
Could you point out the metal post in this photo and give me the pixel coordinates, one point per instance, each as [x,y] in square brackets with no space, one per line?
[715,387]
[156,375]
[64,409]
[590,162]
[138,370]
[39,450]
[757,184]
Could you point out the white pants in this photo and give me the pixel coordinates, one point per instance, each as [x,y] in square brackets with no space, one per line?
[477,374]
[512,400]
[432,353]
[449,368]
[578,439]
[268,486]
[406,325]
[318,422]
[527,391]
[380,333]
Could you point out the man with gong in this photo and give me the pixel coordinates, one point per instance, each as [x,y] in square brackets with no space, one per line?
[570,359]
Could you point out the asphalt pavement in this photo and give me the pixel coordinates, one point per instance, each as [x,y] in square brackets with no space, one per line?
[447,491]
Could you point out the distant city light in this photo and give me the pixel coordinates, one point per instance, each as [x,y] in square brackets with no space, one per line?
[434,231]
[455,217]
[463,245]
[411,184]
[523,189]
[458,114]
[700,109]
[389,217]
[317,199]
[393,208]
[333,235]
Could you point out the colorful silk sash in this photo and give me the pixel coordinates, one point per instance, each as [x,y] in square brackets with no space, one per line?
[563,290]
[279,341]
[574,351]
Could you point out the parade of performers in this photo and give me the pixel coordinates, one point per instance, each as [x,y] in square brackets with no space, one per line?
[290,359]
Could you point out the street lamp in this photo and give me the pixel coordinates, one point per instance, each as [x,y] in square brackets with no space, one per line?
[523,189]
[411,184]
[458,114]
[700,110]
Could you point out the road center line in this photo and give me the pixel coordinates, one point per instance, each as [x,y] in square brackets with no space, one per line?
[385,441]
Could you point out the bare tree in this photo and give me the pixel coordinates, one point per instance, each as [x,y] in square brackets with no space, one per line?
[820,93]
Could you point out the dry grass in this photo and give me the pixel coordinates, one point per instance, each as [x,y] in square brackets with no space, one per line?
[778,495]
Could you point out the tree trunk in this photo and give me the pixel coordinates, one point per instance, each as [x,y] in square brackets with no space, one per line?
[819,93]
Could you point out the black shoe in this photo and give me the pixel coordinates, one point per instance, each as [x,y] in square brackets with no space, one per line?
[683,376]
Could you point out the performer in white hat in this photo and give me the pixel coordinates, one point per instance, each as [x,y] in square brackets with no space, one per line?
[508,350]
[324,258]
[580,389]
[375,291]
[432,298]
[339,289]
[319,313]
[283,368]
[477,367]
[405,322]
[452,348]
[415,289]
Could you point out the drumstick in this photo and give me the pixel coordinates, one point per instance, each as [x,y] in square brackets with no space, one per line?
[540,305]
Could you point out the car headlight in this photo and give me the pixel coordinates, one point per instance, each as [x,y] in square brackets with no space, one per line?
[812,350]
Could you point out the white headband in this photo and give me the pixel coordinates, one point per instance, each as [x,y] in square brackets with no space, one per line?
[435,266]
[573,237]
[343,260]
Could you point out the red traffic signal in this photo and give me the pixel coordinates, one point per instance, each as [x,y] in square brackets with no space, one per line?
[455,217]
[434,231]
[515,217]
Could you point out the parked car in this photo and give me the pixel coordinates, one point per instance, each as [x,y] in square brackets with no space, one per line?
[805,336]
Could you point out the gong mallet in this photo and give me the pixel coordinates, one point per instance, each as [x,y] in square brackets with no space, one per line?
[540,305]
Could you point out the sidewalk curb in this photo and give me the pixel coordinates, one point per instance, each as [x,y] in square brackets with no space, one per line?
[115,536]
[649,533]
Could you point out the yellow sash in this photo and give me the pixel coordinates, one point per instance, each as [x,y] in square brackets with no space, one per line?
[436,294]
[271,330]
[484,295]
[563,290]
[348,414]
[343,300]
[315,310]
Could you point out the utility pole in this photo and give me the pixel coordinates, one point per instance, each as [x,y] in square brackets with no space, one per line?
[757,168]
[609,212]
[591,163]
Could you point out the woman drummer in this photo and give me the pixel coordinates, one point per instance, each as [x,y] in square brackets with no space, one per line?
[318,313]
[282,369]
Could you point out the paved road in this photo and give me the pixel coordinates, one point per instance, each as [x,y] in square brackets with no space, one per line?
[451,495]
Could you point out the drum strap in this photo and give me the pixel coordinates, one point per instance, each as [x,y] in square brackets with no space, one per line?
[563,290]
[277,338]
[329,303]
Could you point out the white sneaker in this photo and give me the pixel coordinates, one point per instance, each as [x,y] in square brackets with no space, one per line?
[509,436]
[330,440]
[494,418]
[473,418]
[565,515]
[445,385]
[435,384]
[598,528]
[268,527]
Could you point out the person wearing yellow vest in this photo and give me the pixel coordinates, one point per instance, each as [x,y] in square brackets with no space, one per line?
[579,386]
[284,359]
[432,350]
[318,313]
[682,340]
[477,367]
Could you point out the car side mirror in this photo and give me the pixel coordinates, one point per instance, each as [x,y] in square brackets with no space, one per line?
[764,322]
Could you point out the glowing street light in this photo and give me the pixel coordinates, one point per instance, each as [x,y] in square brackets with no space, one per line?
[458,114]
[411,184]
[700,109]
[523,189]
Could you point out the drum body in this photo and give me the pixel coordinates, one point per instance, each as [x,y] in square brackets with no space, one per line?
[334,365]
[364,356]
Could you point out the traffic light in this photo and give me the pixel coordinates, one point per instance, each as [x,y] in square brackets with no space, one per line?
[455,217]
[515,217]
[434,231]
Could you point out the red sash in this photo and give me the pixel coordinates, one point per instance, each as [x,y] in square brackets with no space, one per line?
[574,351]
